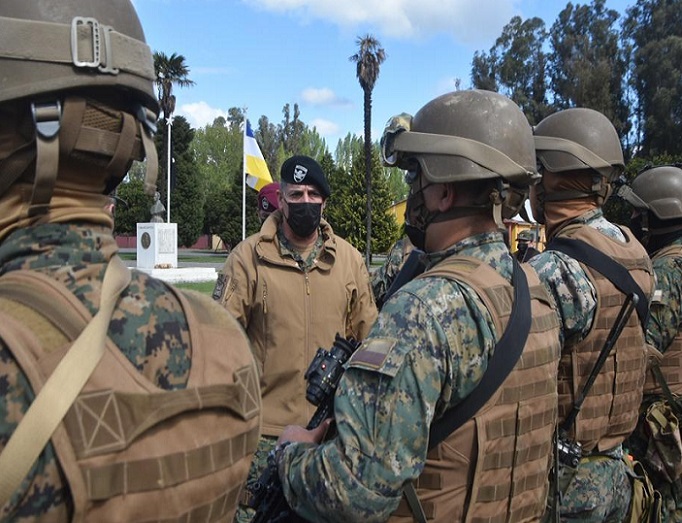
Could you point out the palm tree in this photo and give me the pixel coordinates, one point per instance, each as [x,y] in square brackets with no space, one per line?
[169,71]
[368,59]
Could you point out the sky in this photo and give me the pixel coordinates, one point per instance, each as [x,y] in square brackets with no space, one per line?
[262,54]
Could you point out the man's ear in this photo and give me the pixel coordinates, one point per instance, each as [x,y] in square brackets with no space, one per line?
[447,197]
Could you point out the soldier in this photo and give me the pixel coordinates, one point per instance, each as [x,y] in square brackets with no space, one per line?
[384,276]
[293,286]
[579,154]
[525,246]
[436,339]
[267,200]
[121,397]
[656,195]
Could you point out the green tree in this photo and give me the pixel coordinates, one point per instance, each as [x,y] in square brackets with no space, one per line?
[291,130]
[483,71]
[654,28]
[346,207]
[515,66]
[218,149]
[346,149]
[587,65]
[169,72]
[187,199]
[368,62]
[135,209]
[267,136]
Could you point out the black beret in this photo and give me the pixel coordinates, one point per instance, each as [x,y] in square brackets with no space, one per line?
[303,170]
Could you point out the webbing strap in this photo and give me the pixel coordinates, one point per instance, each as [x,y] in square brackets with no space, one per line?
[108,421]
[61,388]
[84,43]
[122,478]
[616,273]
[507,352]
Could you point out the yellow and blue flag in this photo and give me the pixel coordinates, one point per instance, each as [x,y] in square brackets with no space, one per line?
[255,168]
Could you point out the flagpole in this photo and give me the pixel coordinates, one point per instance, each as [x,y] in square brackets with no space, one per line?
[244,180]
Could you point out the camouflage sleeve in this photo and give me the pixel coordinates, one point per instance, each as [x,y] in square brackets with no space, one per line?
[383,277]
[386,273]
[42,492]
[666,308]
[575,298]
[422,355]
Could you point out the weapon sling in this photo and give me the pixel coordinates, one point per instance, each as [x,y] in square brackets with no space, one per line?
[507,352]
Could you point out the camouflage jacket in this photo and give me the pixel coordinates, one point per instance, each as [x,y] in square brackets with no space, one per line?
[436,336]
[665,314]
[383,277]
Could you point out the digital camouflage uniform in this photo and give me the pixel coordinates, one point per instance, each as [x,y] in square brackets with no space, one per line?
[383,276]
[663,326]
[441,337]
[600,490]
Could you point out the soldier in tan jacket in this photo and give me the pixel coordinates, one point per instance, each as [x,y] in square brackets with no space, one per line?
[293,286]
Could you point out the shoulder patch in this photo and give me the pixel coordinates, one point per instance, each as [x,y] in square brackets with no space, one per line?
[373,353]
[220,285]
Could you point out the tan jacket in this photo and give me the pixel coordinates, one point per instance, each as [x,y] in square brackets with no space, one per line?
[495,467]
[671,360]
[288,313]
[609,412]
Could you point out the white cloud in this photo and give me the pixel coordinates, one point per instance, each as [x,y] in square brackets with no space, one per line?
[325,128]
[200,114]
[468,21]
[322,96]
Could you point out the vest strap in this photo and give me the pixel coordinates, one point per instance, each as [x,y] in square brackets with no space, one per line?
[616,273]
[61,388]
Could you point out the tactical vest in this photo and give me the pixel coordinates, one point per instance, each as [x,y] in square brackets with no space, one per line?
[129,450]
[495,467]
[671,362]
[610,410]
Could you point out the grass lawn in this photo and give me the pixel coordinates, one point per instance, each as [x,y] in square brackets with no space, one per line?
[205,287]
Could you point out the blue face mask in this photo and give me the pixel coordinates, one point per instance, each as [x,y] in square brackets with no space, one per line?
[304,218]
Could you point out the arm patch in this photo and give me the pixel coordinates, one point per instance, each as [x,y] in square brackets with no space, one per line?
[374,354]
[219,287]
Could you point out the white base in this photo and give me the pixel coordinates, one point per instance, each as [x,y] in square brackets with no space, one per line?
[186,275]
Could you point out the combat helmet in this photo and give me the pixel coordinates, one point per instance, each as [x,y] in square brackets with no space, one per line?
[464,136]
[82,74]
[580,139]
[656,193]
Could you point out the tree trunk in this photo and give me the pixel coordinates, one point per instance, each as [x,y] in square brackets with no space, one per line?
[368,173]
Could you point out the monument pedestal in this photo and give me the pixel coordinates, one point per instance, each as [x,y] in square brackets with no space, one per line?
[157,245]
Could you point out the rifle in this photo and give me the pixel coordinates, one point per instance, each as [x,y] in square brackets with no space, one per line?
[323,377]
[568,453]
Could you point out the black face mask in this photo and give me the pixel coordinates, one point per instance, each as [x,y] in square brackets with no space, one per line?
[417,218]
[304,218]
